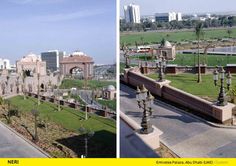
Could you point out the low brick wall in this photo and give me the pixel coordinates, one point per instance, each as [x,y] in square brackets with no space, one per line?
[137,79]
[164,90]
[100,112]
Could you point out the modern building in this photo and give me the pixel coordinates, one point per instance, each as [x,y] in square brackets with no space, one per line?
[168,17]
[52,59]
[179,16]
[77,64]
[5,64]
[132,13]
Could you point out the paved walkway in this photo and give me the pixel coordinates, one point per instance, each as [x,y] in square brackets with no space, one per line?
[13,146]
[183,134]
[131,145]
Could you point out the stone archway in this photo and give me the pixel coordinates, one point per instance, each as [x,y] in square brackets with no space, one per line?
[28,73]
[11,88]
[77,72]
[42,87]
[30,87]
[3,86]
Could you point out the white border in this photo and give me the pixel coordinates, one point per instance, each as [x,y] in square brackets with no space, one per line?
[118,79]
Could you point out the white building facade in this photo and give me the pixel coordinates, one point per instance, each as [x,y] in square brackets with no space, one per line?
[5,64]
[168,17]
[132,13]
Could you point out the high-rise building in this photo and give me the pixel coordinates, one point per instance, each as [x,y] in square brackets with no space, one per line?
[132,13]
[52,59]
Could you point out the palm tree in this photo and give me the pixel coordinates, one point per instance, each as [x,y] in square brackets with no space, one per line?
[17,84]
[199,33]
[38,77]
[58,98]
[23,84]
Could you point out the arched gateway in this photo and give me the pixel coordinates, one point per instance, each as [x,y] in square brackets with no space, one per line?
[76,63]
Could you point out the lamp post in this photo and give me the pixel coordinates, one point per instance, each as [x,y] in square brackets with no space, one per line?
[145,101]
[87,134]
[222,101]
[161,64]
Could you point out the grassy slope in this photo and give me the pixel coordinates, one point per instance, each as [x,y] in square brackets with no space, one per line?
[109,103]
[72,119]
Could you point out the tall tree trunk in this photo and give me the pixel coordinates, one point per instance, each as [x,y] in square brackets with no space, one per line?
[199,67]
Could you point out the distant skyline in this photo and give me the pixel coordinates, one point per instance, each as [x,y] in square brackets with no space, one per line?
[150,7]
[67,25]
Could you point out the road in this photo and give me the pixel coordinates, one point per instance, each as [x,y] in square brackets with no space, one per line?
[86,96]
[13,146]
[183,134]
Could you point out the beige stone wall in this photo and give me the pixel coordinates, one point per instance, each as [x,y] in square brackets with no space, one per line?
[36,67]
[222,114]
[13,84]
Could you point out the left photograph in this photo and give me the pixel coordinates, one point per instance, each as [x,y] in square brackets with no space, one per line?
[58,79]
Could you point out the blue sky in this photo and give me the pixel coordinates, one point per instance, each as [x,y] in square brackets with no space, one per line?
[68,25]
[149,7]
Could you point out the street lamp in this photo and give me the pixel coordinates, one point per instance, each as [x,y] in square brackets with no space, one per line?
[145,102]
[222,101]
[161,64]
[87,134]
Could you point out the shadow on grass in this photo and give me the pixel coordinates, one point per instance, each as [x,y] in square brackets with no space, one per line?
[101,145]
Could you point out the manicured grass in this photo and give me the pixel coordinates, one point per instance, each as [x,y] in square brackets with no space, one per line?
[153,37]
[188,83]
[109,103]
[122,67]
[72,119]
[191,59]
[210,60]
[92,84]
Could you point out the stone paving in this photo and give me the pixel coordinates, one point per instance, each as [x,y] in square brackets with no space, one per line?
[13,146]
[183,134]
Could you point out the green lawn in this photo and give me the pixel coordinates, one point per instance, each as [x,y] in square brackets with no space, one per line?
[191,59]
[72,119]
[92,84]
[154,37]
[109,103]
[122,67]
[188,83]
[210,60]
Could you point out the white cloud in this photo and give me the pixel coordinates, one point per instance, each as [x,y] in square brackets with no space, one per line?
[69,16]
[24,2]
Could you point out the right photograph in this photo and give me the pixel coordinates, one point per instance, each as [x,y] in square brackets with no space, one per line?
[177,79]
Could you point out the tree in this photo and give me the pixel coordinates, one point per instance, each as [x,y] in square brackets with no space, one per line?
[58,95]
[163,42]
[35,114]
[38,77]
[229,31]
[199,33]
[23,83]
